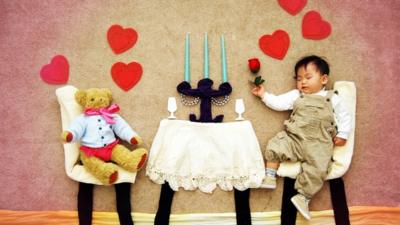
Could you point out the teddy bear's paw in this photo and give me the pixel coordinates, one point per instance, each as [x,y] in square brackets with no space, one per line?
[135,160]
[129,160]
[113,177]
[108,175]
[142,162]
[136,140]
[140,154]
[66,136]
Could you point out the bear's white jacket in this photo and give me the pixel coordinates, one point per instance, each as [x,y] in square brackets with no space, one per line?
[94,132]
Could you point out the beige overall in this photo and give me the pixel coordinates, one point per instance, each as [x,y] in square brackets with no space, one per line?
[307,138]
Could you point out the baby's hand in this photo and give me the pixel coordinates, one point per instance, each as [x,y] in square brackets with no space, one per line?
[339,141]
[258,91]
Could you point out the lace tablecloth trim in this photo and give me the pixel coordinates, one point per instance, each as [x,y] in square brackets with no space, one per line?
[206,183]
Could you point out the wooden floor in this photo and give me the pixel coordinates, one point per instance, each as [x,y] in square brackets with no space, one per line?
[359,215]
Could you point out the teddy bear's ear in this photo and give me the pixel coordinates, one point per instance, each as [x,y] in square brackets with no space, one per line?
[80,97]
[108,92]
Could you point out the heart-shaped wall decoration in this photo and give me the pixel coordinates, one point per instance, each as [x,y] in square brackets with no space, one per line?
[275,45]
[126,76]
[121,39]
[292,6]
[314,27]
[56,72]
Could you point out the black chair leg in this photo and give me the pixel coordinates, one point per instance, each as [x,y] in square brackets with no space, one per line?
[123,195]
[164,205]
[288,211]
[85,203]
[242,206]
[339,202]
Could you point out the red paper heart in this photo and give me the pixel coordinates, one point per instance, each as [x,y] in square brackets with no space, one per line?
[314,27]
[57,72]
[120,39]
[292,6]
[126,76]
[275,45]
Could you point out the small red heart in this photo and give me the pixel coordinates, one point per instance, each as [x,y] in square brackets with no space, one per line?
[120,39]
[292,6]
[57,72]
[314,27]
[126,75]
[275,45]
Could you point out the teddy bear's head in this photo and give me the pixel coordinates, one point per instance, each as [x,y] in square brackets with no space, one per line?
[94,97]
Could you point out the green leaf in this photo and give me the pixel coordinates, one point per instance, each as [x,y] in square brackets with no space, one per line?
[258,80]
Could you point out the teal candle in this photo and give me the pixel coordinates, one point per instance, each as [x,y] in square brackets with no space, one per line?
[187,59]
[206,75]
[224,72]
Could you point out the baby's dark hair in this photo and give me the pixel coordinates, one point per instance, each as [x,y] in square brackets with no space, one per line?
[320,64]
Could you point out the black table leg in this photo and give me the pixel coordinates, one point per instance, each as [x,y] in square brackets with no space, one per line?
[164,205]
[242,206]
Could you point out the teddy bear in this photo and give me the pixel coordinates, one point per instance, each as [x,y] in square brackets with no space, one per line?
[95,128]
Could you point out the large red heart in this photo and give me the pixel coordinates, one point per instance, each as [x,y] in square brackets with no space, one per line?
[120,39]
[292,6]
[275,45]
[314,27]
[56,72]
[126,75]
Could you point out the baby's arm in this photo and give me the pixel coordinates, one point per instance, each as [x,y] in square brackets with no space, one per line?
[281,102]
[344,121]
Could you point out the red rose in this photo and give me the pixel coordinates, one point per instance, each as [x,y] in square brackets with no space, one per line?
[254,65]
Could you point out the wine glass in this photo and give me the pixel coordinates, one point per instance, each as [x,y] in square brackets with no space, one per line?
[171,107]
[239,108]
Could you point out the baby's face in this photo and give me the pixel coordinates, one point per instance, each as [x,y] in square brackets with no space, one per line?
[309,80]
